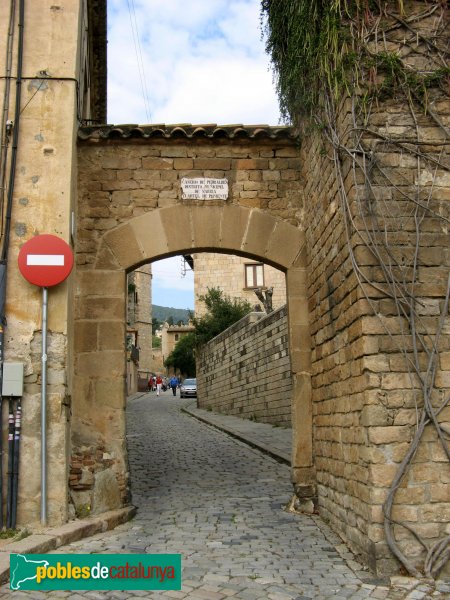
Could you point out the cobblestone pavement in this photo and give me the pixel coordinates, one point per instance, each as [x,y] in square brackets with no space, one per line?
[220,503]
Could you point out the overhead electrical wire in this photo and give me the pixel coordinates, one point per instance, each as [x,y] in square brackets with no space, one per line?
[139,59]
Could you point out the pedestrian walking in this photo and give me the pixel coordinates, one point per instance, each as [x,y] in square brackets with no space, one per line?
[158,385]
[174,384]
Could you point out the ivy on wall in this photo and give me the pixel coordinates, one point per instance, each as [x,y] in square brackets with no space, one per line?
[318,45]
[370,54]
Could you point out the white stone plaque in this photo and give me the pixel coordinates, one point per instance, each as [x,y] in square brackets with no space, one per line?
[204,188]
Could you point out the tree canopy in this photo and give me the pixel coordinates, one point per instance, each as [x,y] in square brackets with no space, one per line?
[222,312]
[182,357]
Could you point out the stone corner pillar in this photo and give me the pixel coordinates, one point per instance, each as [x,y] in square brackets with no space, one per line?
[303,473]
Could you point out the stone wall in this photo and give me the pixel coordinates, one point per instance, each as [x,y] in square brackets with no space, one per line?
[53,93]
[245,371]
[143,315]
[363,407]
[338,350]
[131,212]
[365,403]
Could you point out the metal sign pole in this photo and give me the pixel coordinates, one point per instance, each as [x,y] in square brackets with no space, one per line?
[45,260]
[44,408]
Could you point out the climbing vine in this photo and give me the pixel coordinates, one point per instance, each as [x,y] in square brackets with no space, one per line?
[341,46]
[359,58]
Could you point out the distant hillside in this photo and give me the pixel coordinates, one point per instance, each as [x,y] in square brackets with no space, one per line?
[162,313]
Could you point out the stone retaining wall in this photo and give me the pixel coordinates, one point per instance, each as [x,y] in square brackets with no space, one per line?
[245,371]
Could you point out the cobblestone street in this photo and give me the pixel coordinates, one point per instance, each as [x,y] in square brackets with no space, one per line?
[219,503]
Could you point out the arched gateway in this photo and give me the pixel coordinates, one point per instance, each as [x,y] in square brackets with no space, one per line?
[131,212]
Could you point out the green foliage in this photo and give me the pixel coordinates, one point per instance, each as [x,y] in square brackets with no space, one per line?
[8,533]
[319,46]
[395,77]
[182,357]
[222,311]
[156,341]
[307,43]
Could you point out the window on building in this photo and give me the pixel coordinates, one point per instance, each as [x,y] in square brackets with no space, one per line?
[176,337]
[254,275]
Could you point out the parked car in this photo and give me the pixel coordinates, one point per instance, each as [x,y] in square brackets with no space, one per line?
[188,388]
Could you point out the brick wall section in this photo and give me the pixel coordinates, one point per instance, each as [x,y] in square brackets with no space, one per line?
[389,412]
[245,371]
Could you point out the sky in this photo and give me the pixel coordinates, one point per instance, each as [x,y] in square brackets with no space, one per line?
[187,61]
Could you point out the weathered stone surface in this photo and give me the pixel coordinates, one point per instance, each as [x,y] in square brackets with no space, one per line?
[206,226]
[246,370]
[125,246]
[259,231]
[106,492]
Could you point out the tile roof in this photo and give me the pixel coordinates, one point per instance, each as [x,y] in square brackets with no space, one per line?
[186,130]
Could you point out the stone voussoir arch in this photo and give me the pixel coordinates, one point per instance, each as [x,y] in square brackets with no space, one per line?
[101,300]
[180,228]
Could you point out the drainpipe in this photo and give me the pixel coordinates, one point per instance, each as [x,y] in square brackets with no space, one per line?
[12,176]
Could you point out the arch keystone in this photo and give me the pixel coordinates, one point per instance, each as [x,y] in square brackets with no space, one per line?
[176,221]
[233,226]
[206,221]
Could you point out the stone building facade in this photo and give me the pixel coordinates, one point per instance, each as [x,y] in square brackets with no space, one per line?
[170,336]
[237,277]
[61,79]
[139,326]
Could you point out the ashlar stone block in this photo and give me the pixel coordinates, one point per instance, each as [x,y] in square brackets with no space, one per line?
[178,238]
[150,232]
[206,223]
[260,228]
[124,245]
[233,226]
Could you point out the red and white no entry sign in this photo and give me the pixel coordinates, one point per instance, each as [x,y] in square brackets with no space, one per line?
[45,260]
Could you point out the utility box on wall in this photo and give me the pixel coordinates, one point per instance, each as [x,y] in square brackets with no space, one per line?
[12,383]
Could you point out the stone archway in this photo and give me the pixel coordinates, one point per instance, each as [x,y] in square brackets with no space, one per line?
[98,426]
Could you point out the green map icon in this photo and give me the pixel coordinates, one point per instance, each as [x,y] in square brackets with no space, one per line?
[23,569]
